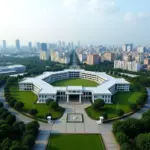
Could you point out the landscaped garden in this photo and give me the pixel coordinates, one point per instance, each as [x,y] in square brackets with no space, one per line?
[122,101]
[29,99]
[75,142]
[75,82]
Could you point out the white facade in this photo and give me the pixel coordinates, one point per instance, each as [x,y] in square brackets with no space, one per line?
[127,65]
[41,86]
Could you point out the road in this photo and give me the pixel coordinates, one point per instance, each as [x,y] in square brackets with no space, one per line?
[74,62]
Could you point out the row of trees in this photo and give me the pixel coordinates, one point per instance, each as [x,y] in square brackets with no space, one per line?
[133,133]
[16,135]
[34,65]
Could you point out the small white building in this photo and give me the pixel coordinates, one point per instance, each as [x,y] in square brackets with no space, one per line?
[41,86]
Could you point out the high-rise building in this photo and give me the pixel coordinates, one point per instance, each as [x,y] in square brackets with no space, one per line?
[44,53]
[93,59]
[127,47]
[127,65]
[4,44]
[108,56]
[141,49]
[17,44]
[38,46]
[146,61]
[30,45]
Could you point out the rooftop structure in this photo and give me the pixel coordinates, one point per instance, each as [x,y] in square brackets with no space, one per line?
[41,86]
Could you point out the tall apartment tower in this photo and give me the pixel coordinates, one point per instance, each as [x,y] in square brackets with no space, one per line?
[93,59]
[4,44]
[30,45]
[44,53]
[17,44]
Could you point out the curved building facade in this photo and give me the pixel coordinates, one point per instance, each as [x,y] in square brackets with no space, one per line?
[41,86]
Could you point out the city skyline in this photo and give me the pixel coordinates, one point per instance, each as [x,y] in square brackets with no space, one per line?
[105,22]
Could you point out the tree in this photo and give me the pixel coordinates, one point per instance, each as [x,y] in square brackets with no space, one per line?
[133,107]
[140,102]
[28,140]
[2,110]
[54,105]
[146,114]
[5,114]
[19,105]
[126,146]
[146,124]
[49,101]
[5,144]
[105,115]
[1,104]
[98,104]
[120,112]
[118,126]
[122,137]
[18,128]
[33,112]
[12,102]
[11,119]
[5,130]
[143,141]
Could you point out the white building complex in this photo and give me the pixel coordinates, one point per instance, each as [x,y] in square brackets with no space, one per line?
[127,65]
[41,86]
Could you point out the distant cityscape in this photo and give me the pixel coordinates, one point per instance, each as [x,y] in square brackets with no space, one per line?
[127,56]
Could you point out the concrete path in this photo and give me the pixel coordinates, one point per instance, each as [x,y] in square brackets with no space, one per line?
[60,126]
[138,114]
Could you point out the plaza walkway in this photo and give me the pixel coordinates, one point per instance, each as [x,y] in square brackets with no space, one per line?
[61,126]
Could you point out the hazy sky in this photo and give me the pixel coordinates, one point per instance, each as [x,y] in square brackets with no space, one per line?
[90,21]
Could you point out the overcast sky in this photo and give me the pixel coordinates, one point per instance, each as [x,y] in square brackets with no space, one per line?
[90,21]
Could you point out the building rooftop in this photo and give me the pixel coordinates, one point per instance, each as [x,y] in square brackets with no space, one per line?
[102,88]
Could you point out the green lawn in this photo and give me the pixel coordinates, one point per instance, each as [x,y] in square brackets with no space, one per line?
[29,99]
[74,82]
[122,100]
[75,142]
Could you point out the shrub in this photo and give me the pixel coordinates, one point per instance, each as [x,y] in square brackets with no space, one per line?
[54,105]
[122,137]
[1,104]
[19,105]
[126,146]
[133,107]
[140,102]
[28,140]
[142,141]
[11,119]
[105,115]
[120,112]
[12,102]
[98,104]
[33,112]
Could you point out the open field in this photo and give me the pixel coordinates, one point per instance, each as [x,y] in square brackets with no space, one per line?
[75,142]
[29,99]
[122,100]
[75,82]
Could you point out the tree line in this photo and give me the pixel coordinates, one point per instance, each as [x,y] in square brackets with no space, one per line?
[133,134]
[16,135]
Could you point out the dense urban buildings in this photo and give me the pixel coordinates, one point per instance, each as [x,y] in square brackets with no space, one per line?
[127,65]
[44,53]
[41,86]
[93,59]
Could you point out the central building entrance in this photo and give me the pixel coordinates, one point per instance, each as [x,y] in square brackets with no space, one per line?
[74,98]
